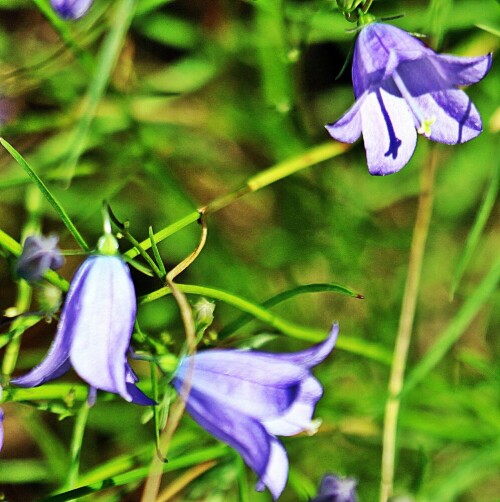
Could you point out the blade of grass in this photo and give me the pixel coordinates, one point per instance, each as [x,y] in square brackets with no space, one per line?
[105,63]
[61,27]
[455,329]
[130,476]
[286,295]
[349,344]
[477,229]
[47,194]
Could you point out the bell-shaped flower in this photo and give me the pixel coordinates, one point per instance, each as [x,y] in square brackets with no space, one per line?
[71,9]
[93,334]
[38,255]
[401,87]
[247,398]
[336,489]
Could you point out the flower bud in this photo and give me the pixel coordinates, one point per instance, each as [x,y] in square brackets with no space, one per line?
[39,254]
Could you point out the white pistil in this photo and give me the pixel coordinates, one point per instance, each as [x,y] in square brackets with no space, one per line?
[425,122]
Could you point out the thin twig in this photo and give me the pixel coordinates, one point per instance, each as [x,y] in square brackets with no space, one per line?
[406,319]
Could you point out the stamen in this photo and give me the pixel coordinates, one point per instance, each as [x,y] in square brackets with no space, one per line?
[425,122]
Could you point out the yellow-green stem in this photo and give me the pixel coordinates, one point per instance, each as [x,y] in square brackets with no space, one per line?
[406,319]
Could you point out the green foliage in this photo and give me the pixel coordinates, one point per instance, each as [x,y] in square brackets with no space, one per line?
[170,110]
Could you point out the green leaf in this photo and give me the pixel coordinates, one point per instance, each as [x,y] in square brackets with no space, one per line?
[286,295]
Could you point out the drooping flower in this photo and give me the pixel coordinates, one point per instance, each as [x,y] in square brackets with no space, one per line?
[247,398]
[401,86]
[71,9]
[94,331]
[336,489]
[39,254]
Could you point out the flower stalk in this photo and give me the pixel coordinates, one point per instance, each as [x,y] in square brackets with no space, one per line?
[407,316]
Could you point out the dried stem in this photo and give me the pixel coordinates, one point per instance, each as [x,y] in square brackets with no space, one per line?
[406,319]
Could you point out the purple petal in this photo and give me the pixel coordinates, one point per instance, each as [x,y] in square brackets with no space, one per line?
[463,70]
[379,49]
[456,118]
[336,489]
[276,474]
[71,9]
[39,254]
[348,128]
[260,451]
[297,417]
[100,321]
[57,362]
[138,397]
[388,132]
[313,355]
[253,383]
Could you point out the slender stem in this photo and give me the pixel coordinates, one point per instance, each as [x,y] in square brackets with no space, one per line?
[406,319]
[105,63]
[153,481]
[351,344]
[33,204]
[76,445]
[253,184]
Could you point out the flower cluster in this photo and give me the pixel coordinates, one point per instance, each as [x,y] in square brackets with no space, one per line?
[402,86]
[244,398]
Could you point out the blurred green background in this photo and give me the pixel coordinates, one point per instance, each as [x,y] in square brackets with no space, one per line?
[203,95]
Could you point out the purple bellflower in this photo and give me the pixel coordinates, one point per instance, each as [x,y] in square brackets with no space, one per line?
[335,489]
[247,398]
[401,86]
[71,9]
[39,254]
[94,331]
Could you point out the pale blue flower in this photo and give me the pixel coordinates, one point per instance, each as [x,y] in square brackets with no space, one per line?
[93,334]
[247,398]
[401,87]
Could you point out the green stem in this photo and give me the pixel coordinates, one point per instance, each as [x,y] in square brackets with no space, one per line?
[105,63]
[406,319]
[33,200]
[62,29]
[76,445]
[349,344]
[18,326]
[253,184]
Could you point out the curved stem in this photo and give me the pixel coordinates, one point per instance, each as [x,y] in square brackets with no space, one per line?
[153,481]
[253,184]
[406,319]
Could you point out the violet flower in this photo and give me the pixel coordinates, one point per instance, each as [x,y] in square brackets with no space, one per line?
[71,9]
[94,331]
[247,398]
[401,85]
[39,254]
[336,489]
